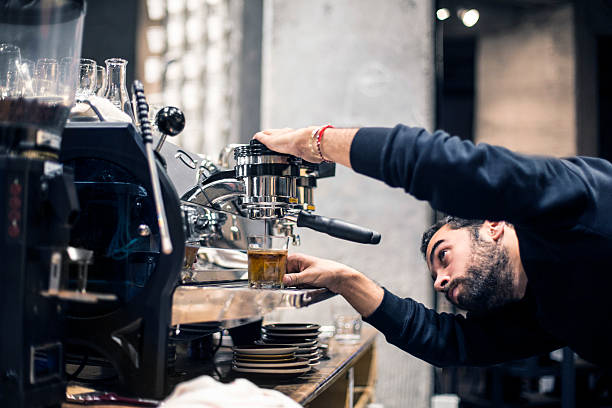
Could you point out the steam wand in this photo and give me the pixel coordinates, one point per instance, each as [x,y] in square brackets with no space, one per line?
[142,113]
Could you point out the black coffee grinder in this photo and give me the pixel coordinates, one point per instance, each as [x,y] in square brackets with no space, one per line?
[40,45]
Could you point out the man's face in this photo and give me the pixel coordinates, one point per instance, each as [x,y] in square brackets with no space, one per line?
[474,274]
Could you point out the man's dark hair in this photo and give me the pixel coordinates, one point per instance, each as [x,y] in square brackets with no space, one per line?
[454,223]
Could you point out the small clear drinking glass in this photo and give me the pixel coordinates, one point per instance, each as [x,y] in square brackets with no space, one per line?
[100,80]
[46,77]
[87,79]
[267,257]
[27,71]
[348,328]
[10,62]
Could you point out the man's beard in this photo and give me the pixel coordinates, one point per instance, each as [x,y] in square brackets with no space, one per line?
[489,280]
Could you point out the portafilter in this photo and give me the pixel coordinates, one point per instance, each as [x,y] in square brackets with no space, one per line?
[271,191]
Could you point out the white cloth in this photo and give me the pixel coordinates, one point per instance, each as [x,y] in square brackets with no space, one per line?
[206,392]
[109,112]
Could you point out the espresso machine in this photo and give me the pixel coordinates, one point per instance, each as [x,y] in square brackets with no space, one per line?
[134,342]
[39,204]
[145,205]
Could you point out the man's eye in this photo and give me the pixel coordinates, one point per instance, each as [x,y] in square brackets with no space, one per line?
[442,255]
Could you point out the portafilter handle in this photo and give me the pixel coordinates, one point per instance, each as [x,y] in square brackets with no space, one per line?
[338,228]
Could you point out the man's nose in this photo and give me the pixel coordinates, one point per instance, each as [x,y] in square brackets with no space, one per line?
[441,282]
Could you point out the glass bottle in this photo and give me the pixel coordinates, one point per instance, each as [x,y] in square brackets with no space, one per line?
[116,90]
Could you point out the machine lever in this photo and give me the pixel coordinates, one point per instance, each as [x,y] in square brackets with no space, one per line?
[170,121]
[338,228]
[142,111]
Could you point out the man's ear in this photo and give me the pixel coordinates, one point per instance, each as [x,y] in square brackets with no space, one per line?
[495,229]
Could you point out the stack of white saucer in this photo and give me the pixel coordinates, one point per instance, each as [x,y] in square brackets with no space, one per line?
[304,336]
[269,360]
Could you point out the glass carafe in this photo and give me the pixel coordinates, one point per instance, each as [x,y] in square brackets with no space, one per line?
[116,89]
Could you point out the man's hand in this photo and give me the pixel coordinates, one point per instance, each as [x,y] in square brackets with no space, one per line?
[335,144]
[307,271]
[296,142]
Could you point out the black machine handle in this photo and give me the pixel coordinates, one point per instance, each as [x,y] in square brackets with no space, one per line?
[142,110]
[338,228]
[170,121]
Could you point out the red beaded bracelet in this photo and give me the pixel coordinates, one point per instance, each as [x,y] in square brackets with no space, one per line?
[319,140]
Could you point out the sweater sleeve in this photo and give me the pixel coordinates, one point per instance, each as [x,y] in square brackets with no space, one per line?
[444,339]
[472,181]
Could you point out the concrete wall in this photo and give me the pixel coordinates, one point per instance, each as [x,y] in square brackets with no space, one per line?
[525,85]
[352,63]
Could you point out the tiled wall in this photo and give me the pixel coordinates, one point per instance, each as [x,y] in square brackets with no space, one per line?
[190,59]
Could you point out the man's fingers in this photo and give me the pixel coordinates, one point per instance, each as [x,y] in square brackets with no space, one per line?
[261,135]
[301,280]
[268,132]
[298,262]
[293,263]
[291,279]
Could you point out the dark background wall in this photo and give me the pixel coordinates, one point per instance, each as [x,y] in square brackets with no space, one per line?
[111,31]
[604,62]
[593,85]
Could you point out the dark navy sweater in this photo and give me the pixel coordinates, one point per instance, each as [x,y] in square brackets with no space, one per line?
[562,213]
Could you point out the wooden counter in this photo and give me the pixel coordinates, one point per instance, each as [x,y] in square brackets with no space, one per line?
[350,367]
[345,379]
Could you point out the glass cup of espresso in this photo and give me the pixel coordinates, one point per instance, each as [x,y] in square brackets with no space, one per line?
[267,256]
[191,253]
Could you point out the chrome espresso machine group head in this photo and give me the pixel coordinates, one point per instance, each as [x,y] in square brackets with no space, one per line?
[270,181]
[264,185]
[280,186]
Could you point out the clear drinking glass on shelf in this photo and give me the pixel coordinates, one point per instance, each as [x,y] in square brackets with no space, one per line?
[347,322]
[348,327]
[64,67]
[87,79]
[116,89]
[267,258]
[27,70]
[100,80]
[10,62]
[46,77]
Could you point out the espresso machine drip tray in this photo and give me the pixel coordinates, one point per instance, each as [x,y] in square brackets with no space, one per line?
[232,301]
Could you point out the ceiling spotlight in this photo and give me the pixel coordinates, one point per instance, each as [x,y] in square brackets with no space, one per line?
[468,17]
[442,14]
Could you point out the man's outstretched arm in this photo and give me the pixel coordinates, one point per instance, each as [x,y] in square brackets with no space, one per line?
[441,339]
[455,176]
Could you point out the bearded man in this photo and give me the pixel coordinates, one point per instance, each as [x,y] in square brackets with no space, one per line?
[528,259]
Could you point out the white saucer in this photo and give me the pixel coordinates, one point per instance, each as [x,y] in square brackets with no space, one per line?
[261,358]
[264,349]
[291,327]
[302,335]
[300,363]
[303,351]
[271,341]
[310,356]
[272,370]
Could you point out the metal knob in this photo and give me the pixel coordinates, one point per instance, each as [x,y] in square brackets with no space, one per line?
[170,120]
